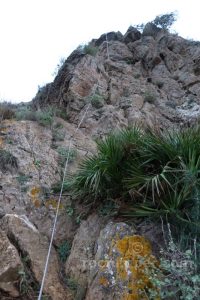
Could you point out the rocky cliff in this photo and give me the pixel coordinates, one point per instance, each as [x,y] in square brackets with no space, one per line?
[151,78]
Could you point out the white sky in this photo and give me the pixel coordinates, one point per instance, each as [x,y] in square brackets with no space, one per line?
[35,34]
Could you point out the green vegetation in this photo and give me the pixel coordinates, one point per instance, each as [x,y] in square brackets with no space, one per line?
[7,161]
[176,277]
[165,21]
[149,97]
[66,154]
[155,175]
[44,117]
[64,251]
[25,113]
[89,49]
[7,111]
[97,101]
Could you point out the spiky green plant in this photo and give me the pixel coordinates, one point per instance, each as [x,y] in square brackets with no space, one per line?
[155,173]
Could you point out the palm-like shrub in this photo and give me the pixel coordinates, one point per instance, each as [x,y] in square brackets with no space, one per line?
[155,173]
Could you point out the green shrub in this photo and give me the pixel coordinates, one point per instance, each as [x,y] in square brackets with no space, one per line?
[165,21]
[25,113]
[149,97]
[91,50]
[56,187]
[45,117]
[22,178]
[7,111]
[58,135]
[156,173]
[64,250]
[7,161]
[176,277]
[97,101]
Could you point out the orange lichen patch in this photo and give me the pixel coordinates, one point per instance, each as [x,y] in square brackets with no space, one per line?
[103,264]
[53,203]
[37,203]
[35,191]
[34,194]
[103,281]
[132,266]
[133,245]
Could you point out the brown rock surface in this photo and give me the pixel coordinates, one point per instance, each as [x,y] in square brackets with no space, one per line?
[35,246]
[10,265]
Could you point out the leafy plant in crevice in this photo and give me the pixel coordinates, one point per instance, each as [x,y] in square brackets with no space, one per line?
[7,161]
[101,175]
[97,100]
[89,49]
[64,250]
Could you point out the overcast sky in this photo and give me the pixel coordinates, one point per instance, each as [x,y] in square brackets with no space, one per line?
[35,34]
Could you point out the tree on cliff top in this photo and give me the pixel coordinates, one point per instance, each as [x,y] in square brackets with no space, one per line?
[165,21]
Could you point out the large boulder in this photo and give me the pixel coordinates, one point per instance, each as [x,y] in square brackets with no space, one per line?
[132,35]
[35,246]
[10,266]
[82,251]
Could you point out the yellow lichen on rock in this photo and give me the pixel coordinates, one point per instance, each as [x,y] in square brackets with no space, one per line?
[135,258]
[128,266]
[34,194]
[103,281]
[35,191]
[53,204]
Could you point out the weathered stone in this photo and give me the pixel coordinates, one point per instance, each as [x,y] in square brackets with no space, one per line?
[10,265]
[35,246]
[82,253]
[116,274]
[150,29]
[132,35]
[111,36]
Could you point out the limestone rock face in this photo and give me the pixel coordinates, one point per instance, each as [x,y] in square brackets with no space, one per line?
[105,262]
[151,78]
[10,265]
[154,63]
[82,252]
[35,246]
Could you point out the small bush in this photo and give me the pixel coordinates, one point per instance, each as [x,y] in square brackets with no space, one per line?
[25,113]
[58,135]
[176,277]
[91,50]
[165,21]
[7,161]
[97,101]
[149,97]
[45,117]
[7,111]
[64,251]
